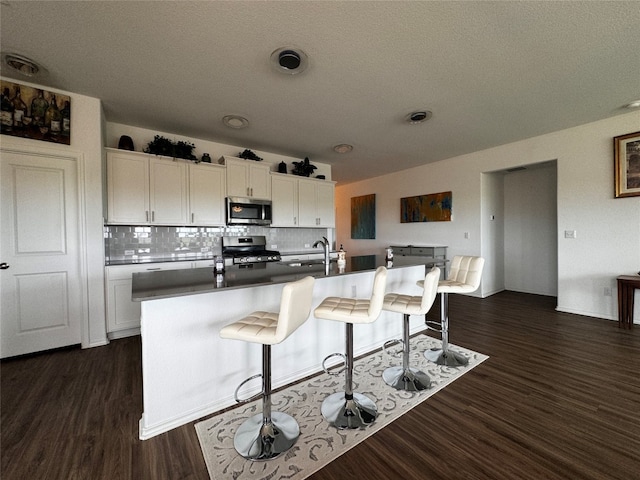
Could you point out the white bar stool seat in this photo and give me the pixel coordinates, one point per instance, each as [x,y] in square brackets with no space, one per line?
[405,377]
[268,434]
[464,277]
[349,409]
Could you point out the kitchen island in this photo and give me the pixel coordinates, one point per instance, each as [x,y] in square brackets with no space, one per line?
[188,371]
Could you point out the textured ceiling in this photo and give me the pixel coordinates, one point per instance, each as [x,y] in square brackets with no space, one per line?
[491,72]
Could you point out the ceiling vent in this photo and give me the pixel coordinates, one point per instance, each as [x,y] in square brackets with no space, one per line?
[20,64]
[421,116]
[289,60]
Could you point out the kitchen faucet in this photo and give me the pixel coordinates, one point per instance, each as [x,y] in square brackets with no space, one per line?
[325,244]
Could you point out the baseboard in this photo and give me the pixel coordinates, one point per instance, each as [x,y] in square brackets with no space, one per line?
[123,333]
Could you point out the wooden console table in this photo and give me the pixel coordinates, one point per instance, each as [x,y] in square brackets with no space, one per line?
[626,290]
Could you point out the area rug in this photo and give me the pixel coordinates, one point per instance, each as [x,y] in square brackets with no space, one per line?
[320,443]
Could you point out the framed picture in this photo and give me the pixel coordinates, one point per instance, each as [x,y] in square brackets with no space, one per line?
[433,207]
[626,158]
[34,113]
[363,217]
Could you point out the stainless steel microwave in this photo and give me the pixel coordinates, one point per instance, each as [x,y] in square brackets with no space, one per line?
[248,211]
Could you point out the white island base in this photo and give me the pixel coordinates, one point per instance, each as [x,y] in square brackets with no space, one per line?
[189,372]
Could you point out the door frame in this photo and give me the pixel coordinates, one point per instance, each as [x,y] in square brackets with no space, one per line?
[54,150]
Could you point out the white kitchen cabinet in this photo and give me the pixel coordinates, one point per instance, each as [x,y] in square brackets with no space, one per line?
[284,200]
[168,199]
[123,314]
[316,203]
[247,178]
[127,188]
[206,195]
[144,189]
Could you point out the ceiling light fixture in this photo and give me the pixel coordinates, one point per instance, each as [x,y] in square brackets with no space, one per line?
[343,148]
[20,64]
[634,104]
[289,60]
[235,121]
[420,116]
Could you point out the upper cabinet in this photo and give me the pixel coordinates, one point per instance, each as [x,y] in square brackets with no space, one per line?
[247,178]
[302,202]
[284,200]
[147,190]
[206,194]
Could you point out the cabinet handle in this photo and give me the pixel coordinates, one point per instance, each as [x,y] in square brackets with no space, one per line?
[146,212]
[295,220]
[193,218]
[252,191]
[153,215]
[248,192]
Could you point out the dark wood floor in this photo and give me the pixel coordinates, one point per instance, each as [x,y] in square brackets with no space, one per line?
[558,399]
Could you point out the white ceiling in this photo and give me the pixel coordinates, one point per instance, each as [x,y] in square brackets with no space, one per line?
[491,72]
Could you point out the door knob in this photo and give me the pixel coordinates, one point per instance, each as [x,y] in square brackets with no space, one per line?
[4,266]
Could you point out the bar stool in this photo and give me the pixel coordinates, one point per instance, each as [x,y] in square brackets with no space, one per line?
[349,409]
[405,377]
[464,277]
[268,434]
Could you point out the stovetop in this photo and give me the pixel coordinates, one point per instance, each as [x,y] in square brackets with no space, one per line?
[244,250]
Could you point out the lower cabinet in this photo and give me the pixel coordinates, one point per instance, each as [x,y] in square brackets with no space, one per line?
[123,314]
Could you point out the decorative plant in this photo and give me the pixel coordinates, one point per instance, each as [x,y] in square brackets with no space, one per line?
[163,146]
[304,168]
[160,146]
[249,155]
[185,150]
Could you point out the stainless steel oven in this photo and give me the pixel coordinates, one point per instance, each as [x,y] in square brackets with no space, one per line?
[248,211]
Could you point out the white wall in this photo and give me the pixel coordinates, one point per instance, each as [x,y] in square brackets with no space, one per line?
[608,229]
[86,144]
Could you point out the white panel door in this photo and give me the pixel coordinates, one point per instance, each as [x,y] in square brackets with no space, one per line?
[41,289]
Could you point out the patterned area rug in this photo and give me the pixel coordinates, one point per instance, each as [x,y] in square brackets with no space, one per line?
[320,443]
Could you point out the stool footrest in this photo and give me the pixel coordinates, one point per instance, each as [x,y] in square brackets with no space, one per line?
[337,372]
[252,398]
[433,325]
[388,343]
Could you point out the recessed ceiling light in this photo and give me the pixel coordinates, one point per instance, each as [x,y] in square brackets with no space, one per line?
[235,121]
[634,104]
[419,116]
[289,60]
[20,64]
[343,148]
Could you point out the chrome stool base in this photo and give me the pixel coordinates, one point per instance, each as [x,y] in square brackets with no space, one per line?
[410,380]
[256,440]
[448,358]
[342,413]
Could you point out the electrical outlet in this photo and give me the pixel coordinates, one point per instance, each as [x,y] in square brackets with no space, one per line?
[607,291]
[570,234]
[307,245]
[205,249]
[354,291]
[466,235]
[129,252]
[273,247]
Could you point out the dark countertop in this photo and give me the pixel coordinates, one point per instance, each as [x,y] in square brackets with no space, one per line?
[173,283]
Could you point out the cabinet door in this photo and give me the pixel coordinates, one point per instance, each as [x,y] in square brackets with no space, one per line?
[307,204]
[237,179]
[168,192]
[122,312]
[284,199]
[260,181]
[206,195]
[325,205]
[127,189]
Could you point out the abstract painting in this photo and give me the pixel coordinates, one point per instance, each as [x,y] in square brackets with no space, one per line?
[363,216]
[433,207]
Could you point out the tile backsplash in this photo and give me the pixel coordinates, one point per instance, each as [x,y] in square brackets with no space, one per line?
[149,243]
